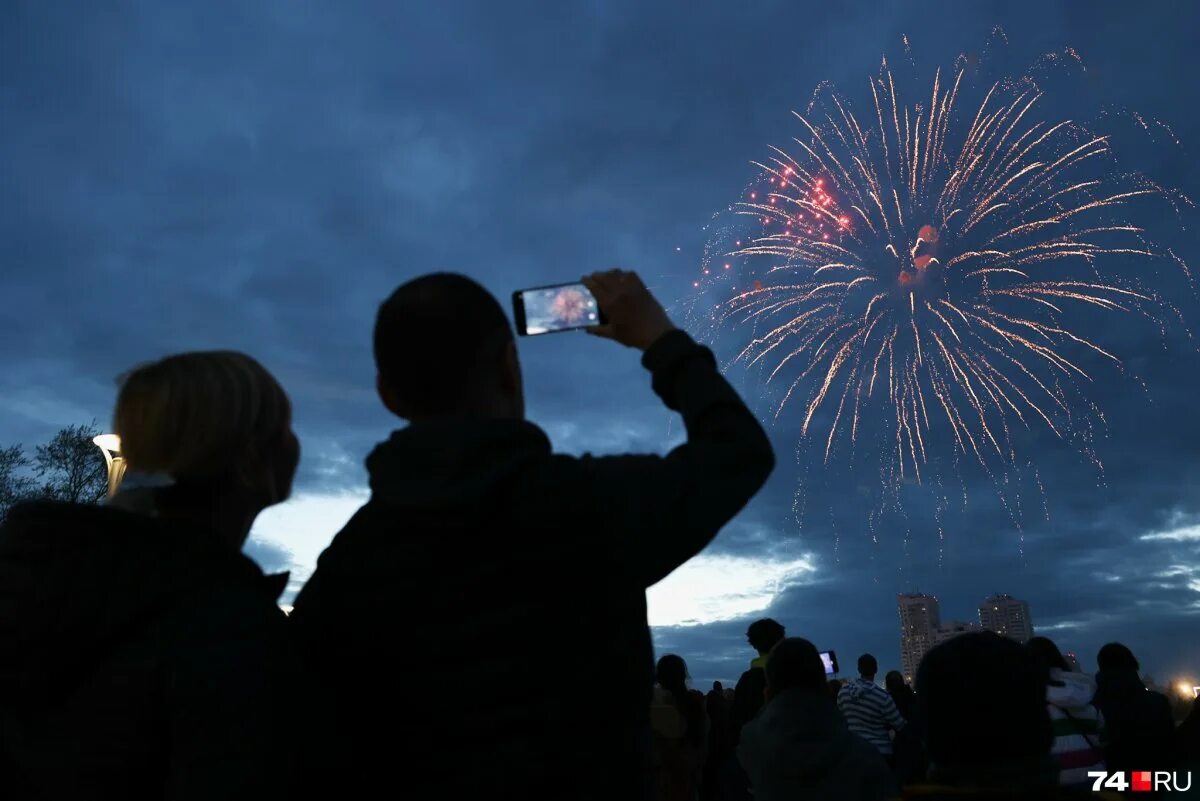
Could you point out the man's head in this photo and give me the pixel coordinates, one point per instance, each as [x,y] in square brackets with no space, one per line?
[717,687]
[444,348]
[867,667]
[794,664]
[763,634]
[1115,656]
[983,698]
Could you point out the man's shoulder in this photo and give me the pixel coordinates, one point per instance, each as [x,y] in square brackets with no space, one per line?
[753,675]
[873,690]
[880,693]
[860,691]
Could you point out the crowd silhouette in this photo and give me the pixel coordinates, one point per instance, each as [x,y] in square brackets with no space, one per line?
[455,640]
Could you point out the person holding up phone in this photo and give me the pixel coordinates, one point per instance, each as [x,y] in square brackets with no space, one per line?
[456,628]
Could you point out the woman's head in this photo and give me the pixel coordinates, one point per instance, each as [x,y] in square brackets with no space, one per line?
[671,671]
[894,681]
[794,664]
[1115,656]
[213,417]
[1047,655]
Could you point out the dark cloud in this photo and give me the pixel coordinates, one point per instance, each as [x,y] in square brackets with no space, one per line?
[260,176]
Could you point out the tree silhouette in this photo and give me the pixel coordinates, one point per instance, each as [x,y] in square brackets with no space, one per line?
[15,483]
[71,468]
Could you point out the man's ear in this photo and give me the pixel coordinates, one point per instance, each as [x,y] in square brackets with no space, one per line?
[390,401]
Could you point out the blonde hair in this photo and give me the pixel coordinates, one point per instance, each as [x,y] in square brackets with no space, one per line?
[204,415]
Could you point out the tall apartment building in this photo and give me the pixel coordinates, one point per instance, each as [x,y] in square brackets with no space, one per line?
[1007,616]
[919,623]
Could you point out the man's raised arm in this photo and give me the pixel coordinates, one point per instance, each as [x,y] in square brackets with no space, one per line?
[664,510]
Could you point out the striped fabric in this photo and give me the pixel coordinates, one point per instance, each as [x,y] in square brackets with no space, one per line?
[870,713]
[1078,726]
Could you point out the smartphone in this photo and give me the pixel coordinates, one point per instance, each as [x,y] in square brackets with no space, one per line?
[549,309]
[829,659]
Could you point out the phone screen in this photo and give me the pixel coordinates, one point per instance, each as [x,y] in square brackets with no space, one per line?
[829,659]
[547,309]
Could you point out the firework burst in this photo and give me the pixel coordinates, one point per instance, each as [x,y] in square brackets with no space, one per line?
[927,274]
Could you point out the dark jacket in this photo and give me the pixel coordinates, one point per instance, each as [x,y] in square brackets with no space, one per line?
[799,748]
[748,696]
[451,622]
[139,661]
[1140,732]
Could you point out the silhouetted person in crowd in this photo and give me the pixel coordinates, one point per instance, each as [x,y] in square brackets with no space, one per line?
[833,687]
[1137,721]
[143,654]
[987,731]
[902,695]
[748,700]
[1187,737]
[1077,724]
[908,751]
[748,694]
[680,728]
[799,746]
[870,712]
[483,556]
[720,741]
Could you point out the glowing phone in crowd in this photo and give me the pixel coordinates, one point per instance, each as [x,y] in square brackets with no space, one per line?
[549,309]
[829,659]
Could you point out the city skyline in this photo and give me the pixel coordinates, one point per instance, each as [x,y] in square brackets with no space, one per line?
[922,629]
[260,177]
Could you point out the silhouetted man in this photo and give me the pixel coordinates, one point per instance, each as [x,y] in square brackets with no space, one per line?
[456,621]
[748,699]
[748,694]
[869,709]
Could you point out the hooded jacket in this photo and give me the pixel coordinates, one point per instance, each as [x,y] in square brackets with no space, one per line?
[870,712]
[459,627]
[799,748]
[140,660]
[1078,726]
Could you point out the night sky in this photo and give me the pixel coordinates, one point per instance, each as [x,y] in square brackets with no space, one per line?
[258,176]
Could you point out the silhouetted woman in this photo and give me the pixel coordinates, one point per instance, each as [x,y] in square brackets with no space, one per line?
[143,653]
[680,728]
[1137,721]
[901,693]
[909,753]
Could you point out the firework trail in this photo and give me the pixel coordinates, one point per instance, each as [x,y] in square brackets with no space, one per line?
[917,273]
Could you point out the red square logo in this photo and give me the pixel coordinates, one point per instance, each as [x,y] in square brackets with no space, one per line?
[1143,781]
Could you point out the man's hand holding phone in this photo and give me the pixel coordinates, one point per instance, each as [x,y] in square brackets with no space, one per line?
[633,316]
